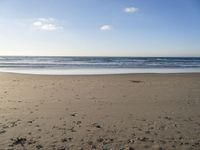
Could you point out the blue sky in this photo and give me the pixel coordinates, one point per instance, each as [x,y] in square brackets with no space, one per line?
[100,27]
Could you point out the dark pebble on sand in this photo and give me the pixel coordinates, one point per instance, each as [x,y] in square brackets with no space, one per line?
[98,126]
[73,114]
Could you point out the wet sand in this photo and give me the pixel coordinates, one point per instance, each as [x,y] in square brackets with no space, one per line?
[136,111]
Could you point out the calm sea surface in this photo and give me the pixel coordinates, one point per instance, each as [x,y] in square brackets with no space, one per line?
[98,65]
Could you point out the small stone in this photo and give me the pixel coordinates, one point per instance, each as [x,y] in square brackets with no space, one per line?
[73,114]
[98,126]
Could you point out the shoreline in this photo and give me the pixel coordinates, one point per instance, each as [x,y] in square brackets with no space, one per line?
[103,74]
[13,74]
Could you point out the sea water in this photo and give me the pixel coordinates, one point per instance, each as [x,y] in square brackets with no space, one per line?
[98,65]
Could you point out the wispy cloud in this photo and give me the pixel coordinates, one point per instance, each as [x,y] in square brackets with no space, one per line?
[48,24]
[130,9]
[105,27]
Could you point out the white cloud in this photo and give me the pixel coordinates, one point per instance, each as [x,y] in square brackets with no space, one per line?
[105,27]
[131,10]
[48,24]
[37,23]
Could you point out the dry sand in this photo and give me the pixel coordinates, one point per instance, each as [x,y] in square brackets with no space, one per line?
[139,111]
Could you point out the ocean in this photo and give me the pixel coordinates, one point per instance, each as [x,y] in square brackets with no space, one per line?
[98,65]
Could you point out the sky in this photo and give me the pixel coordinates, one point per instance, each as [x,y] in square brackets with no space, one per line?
[100,27]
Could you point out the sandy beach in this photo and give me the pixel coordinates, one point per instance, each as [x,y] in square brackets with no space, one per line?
[118,112]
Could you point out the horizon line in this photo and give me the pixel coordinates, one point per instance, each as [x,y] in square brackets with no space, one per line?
[93,56]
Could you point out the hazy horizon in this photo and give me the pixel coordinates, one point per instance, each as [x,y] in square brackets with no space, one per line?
[100,28]
[97,56]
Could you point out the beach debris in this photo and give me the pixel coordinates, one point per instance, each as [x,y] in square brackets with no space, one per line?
[19,141]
